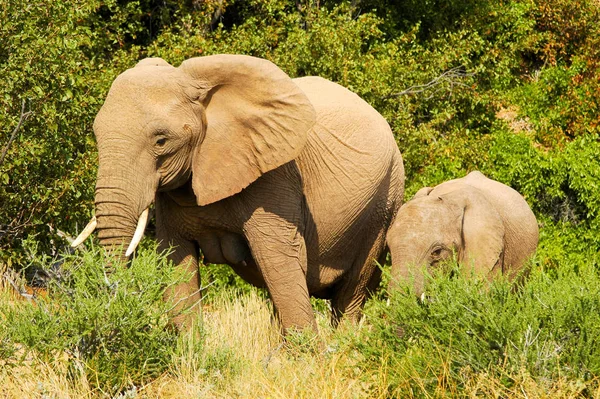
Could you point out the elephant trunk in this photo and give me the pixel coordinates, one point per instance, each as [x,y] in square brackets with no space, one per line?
[115,221]
[407,264]
[120,204]
[408,271]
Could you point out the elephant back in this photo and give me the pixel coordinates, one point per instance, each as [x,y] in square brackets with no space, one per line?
[355,121]
[351,158]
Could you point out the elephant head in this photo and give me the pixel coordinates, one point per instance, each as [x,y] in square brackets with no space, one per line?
[438,224]
[216,123]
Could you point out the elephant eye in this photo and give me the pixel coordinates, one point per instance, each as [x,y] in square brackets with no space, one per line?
[161,141]
[436,252]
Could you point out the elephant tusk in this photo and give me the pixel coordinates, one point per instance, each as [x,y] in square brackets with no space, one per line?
[85,233]
[139,232]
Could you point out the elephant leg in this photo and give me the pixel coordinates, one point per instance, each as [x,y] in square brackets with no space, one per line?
[361,281]
[249,272]
[280,253]
[186,295]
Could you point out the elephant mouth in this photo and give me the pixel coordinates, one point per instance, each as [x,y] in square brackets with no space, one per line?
[137,235]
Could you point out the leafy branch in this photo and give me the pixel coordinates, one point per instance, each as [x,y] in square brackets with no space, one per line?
[22,118]
[451,77]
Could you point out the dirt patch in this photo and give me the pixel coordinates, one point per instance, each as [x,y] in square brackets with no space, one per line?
[511,116]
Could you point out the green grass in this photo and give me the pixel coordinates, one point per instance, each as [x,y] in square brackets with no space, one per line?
[94,335]
[113,327]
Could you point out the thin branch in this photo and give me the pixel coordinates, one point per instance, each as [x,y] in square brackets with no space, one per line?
[24,115]
[270,355]
[21,292]
[17,223]
[451,76]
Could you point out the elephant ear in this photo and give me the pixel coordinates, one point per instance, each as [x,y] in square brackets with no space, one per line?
[257,119]
[152,61]
[482,233]
[423,192]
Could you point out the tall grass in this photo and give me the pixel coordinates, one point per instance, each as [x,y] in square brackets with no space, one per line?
[548,329]
[98,336]
[111,328]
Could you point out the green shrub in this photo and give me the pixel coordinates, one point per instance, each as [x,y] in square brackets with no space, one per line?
[114,328]
[548,328]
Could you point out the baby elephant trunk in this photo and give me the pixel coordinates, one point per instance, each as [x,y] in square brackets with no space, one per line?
[408,272]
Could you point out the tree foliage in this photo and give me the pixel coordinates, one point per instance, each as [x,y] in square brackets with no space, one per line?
[523,106]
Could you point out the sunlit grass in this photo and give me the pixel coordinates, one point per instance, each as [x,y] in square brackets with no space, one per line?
[245,356]
[237,350]
[241,355]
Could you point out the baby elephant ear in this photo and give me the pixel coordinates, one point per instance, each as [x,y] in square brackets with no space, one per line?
[257,119]
[483,234]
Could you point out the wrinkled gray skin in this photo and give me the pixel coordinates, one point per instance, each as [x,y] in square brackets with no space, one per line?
[487,224]
[291,182]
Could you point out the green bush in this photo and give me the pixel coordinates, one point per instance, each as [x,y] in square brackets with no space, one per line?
[547,328]
[114,328]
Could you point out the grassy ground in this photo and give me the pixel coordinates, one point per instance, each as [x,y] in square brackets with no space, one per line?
[240,354]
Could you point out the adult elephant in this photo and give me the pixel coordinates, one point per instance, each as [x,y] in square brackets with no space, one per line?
[292,182]
[488,225]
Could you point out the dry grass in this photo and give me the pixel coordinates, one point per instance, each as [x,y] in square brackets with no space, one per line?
[485,386]
[243,357]
[246,346]
[264,367]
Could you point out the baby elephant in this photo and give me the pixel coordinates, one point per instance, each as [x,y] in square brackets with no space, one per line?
[486,223]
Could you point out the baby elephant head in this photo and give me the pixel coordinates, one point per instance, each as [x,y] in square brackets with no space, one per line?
[436,224]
